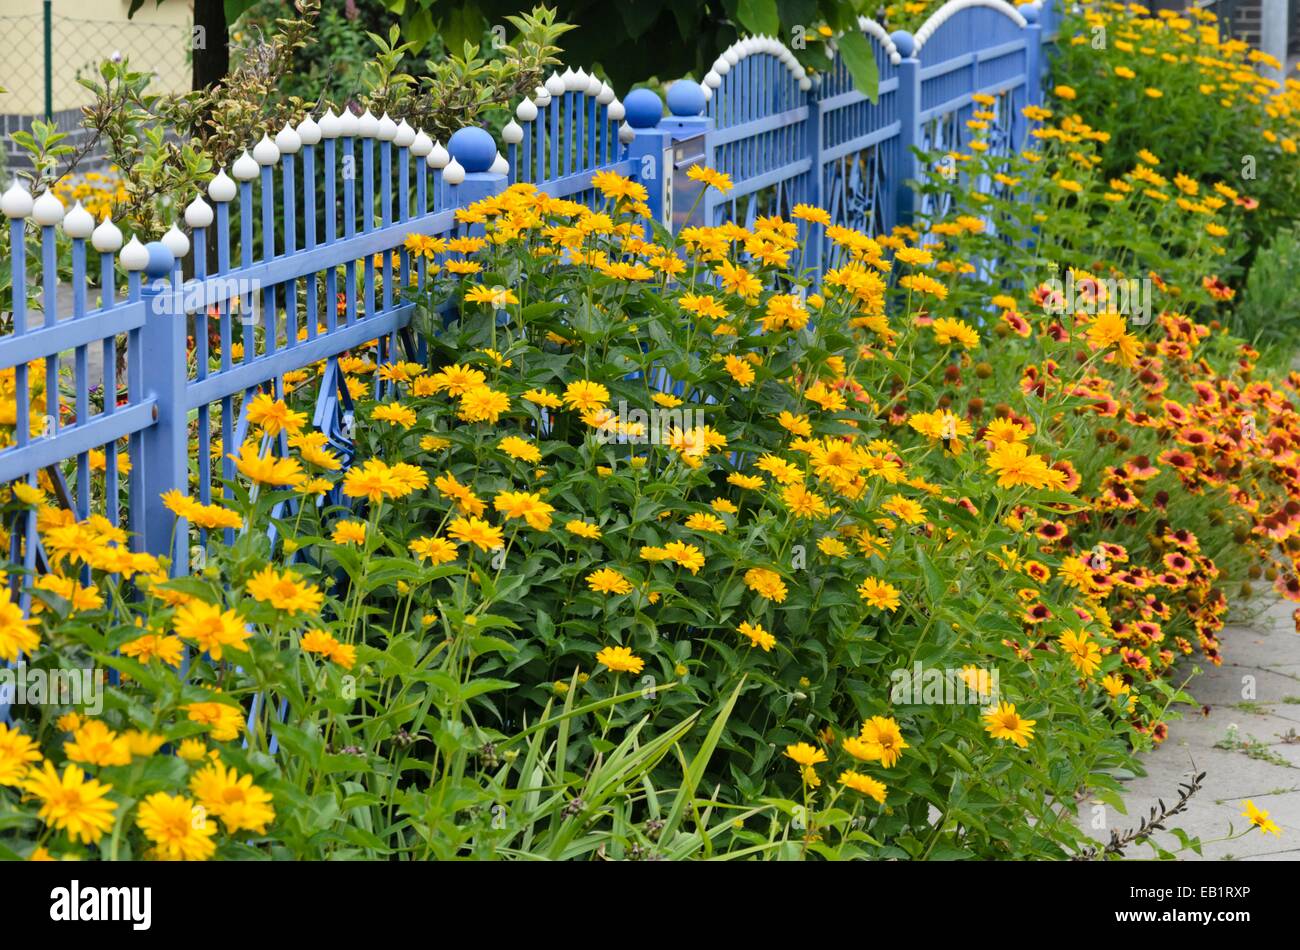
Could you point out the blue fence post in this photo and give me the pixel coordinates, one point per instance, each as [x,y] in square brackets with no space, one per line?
[909,117]
[649,149]
[1033,54]
[162,350]
[685,126]
[813,238]
[476,152]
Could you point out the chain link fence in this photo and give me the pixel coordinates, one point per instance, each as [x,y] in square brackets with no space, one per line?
[47,54]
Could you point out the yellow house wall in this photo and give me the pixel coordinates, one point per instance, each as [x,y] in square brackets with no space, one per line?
[85,32]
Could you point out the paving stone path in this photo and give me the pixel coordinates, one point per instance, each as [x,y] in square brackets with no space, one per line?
[1247,744]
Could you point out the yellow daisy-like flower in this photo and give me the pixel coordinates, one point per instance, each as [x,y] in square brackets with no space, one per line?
[583,529]
[1005,723]
[71,802]
[241,805]
[349,532]
[804,754]
[865,784]
[758,637]
[620,660]
[213,629]
[177,827]
[606,580]
[880,594]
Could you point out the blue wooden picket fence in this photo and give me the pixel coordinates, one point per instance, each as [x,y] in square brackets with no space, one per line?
[310,225]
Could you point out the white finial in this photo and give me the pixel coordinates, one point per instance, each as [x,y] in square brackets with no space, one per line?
[555,85]
[606,94]
[287,141]
[421,145]
[47,210]
[708,93]
[309,131]
[134,256]
[512,134]
[615,112]
[244,169]
[594,85]
[16,202]
[626,133]
[454,173]
[107,238]
[176,242]
[541,98]
[349,124]
[805,84]
[572,83]
[221,188]
[711,80]
[385,128]
[499,166]
[329,126]
[439,157]
[367,125]
[198,214]
[526,111]
[404,136]
[265,151]
[78,223]
[721,66]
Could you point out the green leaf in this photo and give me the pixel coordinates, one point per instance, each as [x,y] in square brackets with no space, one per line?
[759,16]
[855,50]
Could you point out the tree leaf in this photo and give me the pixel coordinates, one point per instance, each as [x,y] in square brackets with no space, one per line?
[855,50]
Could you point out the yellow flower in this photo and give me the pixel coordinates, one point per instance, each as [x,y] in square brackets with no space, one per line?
[284,591]
[435,550]
[71,802]
[494,296]
[1005,723]
[225,720]
[233,798]
[526,505]
[268,469]
[606,580]
[711,177]
[585,396]
[765,583]
[1260,819]
[620,660]
[758,637]
[213,629]
[879,594]
[177,827]
[804,754]
[521,449]
[349,532]
[476,531]
[395,414]
[17,752]
[96,744]
[864,784]
[272,416]
[582,529]
[16,634]
[1083,653]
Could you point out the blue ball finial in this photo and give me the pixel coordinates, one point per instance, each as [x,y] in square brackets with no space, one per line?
[686,98]
[904,42]
[161,260]
[1030,12]
[643,108]
[473,148]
